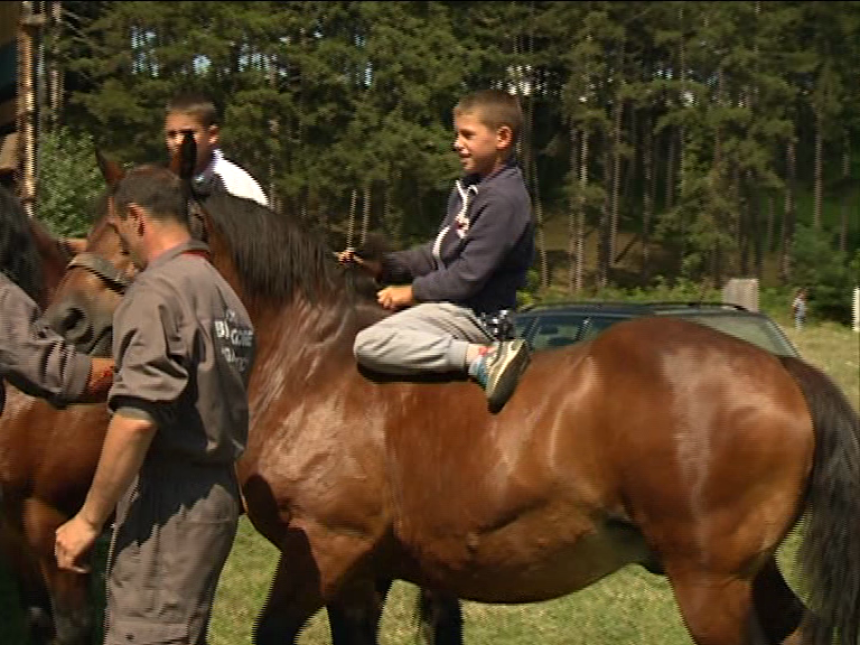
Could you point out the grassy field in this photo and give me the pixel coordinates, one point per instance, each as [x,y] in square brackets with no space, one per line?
[631,606]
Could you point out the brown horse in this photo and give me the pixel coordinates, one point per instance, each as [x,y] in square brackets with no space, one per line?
[661,442]
[47,457]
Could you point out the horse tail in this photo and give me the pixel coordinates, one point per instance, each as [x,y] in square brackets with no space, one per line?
[829,555]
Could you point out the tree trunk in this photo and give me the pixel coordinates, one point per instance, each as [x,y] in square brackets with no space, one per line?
[753,235]
[603,250]
[580,213]
[618,110]
[819,164]
[771,219]
[788,216]
[572,213]
[647,195]
[682,136]
[846,191]
[669,198]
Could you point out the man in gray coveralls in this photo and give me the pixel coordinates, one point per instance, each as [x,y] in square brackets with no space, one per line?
[184,346]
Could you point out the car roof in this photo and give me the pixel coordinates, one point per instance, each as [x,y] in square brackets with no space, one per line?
[625,308]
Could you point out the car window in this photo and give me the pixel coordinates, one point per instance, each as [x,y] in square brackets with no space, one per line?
[755,330]
[597,324]
[552,330]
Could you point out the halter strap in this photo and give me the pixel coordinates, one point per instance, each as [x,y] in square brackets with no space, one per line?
[102,268]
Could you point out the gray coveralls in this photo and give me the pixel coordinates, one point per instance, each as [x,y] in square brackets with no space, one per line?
[184,347]
[32,356]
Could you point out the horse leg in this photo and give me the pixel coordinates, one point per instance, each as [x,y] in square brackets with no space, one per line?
[717,608]
[441,617]
[293,598]
[69,592]
[33,599]
[354,617]
[355,613]
[779,610]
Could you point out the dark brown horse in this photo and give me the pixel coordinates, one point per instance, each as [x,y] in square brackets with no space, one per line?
[47,458]
[661,442]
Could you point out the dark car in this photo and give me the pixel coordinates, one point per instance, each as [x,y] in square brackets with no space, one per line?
[557,325]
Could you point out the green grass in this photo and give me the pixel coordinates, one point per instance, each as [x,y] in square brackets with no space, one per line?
[632,606]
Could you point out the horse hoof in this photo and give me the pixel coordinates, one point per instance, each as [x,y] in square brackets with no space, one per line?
[41,626]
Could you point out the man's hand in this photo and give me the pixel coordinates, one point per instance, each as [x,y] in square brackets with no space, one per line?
[100,381]
[74,539]
[373,267]
[396,297]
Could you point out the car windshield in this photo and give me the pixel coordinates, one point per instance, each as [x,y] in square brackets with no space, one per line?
[551,330]
[755,330]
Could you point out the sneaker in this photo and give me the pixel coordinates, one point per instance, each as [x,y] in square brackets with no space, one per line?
[499,371]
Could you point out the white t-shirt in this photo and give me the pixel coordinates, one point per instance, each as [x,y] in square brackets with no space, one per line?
[234,179]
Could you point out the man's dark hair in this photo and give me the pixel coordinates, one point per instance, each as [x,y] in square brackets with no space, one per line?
[157,189]
[194,104]
[19,257]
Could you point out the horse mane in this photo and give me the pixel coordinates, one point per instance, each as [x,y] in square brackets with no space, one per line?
[19,257]
[277,255]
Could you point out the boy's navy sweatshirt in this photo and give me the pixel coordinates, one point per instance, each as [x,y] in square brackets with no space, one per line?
[482,252]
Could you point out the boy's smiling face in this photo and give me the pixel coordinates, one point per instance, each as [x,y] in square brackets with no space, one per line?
[481,149]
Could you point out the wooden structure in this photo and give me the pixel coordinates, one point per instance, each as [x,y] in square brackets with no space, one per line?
[22,70]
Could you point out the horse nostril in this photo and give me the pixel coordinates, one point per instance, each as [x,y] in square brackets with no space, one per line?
[71,319]
[74,326]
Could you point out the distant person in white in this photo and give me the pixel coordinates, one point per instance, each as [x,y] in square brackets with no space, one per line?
[197,114]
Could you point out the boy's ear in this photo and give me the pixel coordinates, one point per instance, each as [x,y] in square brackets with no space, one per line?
[504,137]
[214,135]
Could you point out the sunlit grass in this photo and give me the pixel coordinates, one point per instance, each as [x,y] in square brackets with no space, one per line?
[836,350]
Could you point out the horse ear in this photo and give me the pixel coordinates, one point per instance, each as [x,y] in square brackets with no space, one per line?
[184,159]
[111,170]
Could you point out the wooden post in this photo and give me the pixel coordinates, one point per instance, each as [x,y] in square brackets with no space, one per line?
[30,25]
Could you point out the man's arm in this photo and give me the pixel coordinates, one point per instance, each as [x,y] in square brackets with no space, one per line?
[127,441]
[38,361]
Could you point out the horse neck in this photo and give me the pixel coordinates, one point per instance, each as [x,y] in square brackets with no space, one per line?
[293,322]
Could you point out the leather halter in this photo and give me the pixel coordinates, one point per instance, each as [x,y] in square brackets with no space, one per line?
[116,279]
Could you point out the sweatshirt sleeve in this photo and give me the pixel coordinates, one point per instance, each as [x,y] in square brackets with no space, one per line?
[405,266]
[402,267]
[33,357]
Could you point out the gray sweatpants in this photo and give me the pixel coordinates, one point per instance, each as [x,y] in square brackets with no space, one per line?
[429,337]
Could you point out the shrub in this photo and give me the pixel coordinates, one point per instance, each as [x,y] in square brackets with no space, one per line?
[69,182]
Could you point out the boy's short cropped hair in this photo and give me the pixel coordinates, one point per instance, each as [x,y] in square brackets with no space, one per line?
[494,108]
[194,104]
